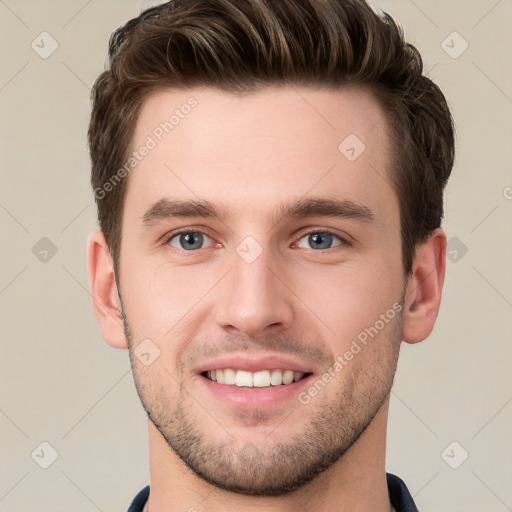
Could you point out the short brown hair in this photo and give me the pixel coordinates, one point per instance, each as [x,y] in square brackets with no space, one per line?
[241,46]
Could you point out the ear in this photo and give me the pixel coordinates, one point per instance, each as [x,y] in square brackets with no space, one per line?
[105,298]
[424,287]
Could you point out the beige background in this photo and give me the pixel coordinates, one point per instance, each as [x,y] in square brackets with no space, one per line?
[61,384]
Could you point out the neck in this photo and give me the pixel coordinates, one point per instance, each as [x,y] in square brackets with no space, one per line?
[355,483]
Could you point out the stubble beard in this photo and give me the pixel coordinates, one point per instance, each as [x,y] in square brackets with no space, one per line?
[239,466]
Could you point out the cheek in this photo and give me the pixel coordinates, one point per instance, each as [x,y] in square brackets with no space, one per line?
[165,299]
[345,301]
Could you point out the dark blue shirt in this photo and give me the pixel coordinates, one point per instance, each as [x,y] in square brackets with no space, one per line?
[399,496]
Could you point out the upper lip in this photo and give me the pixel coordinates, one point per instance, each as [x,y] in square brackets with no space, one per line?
[254,364]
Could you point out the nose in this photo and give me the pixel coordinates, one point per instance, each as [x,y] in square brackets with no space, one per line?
[255,299]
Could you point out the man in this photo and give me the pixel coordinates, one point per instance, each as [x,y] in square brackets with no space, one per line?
[269,178]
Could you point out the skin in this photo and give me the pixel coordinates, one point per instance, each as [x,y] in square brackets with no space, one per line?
[249,153]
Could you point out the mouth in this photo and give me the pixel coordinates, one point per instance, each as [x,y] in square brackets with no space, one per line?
[252,381]
[265,378]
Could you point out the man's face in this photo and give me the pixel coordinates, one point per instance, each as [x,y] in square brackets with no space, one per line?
[254,290]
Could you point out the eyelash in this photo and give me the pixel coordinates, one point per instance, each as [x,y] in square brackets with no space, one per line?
[344,241]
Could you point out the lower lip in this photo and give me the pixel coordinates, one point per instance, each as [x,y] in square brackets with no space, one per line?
[251,398]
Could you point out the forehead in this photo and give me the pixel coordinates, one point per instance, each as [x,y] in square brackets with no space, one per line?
[259,148]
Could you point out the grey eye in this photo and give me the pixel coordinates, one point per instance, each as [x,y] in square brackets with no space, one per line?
[320,240]
[189,241]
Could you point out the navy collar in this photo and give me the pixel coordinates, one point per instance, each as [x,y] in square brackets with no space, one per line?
[399,496]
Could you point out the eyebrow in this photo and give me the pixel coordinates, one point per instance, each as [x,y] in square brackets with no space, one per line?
[166,208]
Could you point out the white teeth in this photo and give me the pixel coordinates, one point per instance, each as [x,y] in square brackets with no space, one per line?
[229,376]
[276,377]
[260,379]
[288,377]
[243,378]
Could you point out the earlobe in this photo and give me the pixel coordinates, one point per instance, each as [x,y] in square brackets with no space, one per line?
[103,287]
[424,288]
